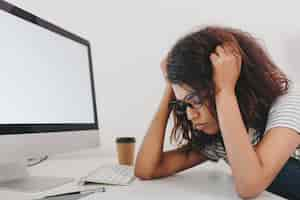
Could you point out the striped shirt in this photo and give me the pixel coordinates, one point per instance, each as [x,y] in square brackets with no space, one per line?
[284,112]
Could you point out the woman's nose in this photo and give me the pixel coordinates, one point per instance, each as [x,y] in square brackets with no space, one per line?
[191,113]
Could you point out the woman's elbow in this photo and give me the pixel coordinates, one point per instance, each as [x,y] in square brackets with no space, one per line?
[248,191]
[248,195]
[142,174]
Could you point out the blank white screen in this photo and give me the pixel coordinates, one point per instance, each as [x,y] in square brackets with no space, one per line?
[44,77]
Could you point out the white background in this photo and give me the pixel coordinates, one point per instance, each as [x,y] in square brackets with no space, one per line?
[129,38]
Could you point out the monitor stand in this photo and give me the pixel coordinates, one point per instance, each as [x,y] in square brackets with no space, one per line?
[15,176]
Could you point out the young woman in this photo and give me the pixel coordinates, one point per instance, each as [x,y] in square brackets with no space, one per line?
[231,102]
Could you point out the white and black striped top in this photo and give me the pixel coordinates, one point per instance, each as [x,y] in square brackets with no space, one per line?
[284,112]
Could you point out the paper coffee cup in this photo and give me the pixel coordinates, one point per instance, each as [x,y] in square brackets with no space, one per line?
[125,149]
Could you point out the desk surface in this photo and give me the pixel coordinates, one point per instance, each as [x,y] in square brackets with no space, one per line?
[206,181]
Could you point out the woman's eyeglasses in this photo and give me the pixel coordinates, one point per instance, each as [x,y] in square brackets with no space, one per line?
[179,107]
[192,100]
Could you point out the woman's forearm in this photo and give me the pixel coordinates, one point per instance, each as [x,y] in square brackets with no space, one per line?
[244,162]
[150,153]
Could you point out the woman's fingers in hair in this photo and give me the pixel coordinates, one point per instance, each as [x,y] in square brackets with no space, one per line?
[231,48]
[225,50]
[214,58]
[220,50]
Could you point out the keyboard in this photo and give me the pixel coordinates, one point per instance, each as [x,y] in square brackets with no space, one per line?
[111,174]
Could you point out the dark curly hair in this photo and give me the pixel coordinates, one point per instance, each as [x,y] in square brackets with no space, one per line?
[259,84]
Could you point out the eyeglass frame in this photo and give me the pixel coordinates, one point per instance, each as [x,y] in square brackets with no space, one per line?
[184,105]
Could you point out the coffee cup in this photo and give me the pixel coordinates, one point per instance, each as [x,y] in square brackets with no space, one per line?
[125,150]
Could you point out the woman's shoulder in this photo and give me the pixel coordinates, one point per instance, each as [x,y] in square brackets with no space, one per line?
[289,98]
[285,111]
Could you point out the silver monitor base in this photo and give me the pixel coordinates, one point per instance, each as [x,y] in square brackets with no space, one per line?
[14,176]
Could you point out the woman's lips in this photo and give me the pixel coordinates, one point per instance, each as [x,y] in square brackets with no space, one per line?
[200,126]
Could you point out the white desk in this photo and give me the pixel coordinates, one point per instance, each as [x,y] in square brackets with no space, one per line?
[206,181]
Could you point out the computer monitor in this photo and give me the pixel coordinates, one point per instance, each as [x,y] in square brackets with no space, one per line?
[47,101]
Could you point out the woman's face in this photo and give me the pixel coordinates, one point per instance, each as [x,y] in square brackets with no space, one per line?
[199,115]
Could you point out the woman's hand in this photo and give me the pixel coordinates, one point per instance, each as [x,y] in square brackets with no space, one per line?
[226,61]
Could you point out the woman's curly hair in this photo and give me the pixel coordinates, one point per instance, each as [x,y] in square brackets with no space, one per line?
[259,84]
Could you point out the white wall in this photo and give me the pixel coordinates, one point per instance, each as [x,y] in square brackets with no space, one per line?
[129,38]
